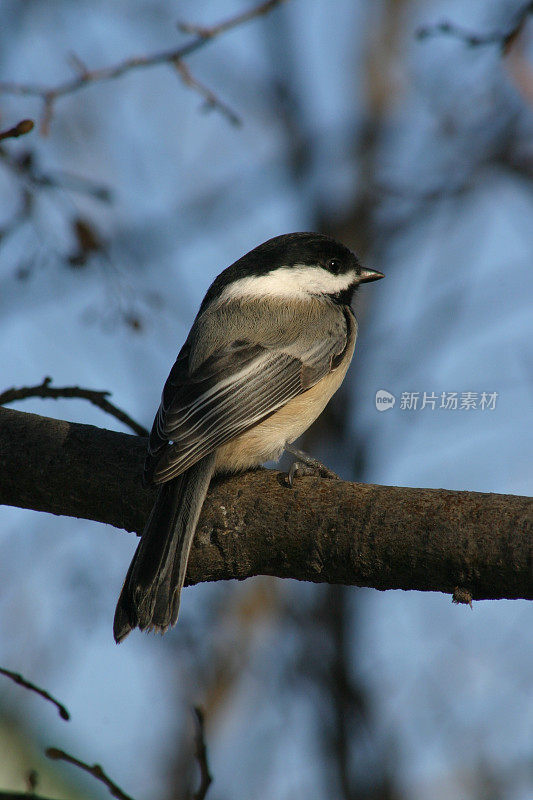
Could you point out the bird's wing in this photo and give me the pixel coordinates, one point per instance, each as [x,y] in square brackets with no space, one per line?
[235,388]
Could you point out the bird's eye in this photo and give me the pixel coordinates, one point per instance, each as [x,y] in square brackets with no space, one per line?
[334,265]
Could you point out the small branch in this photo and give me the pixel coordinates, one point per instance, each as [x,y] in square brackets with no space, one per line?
[25,168]
[77,64]
[97,398]
[211,98]
[206,778]
[32,779]
[215,30]
[84,77]
[23,127]
[17,678]
[502,38]
[95,770]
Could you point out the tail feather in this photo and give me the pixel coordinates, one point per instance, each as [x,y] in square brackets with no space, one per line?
[150,597]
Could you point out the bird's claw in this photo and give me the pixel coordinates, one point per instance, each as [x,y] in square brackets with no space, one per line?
[297,468]
[306,465]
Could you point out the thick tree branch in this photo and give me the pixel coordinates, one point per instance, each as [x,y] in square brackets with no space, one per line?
[471,544]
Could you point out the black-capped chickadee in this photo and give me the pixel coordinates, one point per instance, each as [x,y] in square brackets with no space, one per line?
[271,343]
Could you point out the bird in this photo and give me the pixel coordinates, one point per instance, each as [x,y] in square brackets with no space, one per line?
[270,345]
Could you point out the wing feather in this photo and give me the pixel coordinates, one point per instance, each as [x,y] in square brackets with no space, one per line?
[232,390]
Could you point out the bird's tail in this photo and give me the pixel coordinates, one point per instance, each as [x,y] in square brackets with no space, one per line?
[150,597]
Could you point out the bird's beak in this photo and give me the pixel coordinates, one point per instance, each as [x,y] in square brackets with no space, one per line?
[367,275]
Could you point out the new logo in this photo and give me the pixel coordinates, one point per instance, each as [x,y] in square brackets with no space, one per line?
[384,400]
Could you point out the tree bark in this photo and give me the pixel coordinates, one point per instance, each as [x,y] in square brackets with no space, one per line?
[470,544]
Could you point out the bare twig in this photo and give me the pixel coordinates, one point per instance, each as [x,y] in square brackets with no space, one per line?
[211,99]
[21,129]
[97,398]
[15,676]
[95,770]
[502,38]
[206,778]
[84,77]
[209,32]
[32,779]
[26,168]
[77,64]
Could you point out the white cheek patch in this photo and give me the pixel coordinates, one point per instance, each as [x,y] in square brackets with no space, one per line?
[290,282]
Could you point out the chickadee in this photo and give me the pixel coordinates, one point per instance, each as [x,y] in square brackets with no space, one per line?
[271,343]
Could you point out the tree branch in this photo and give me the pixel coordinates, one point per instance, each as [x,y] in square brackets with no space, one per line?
[211,99]
[503,38]
[94,396]
[17,678]
[84,77]
[209,32]
[465,543]
[206,779]
[95,770]
[21,129]
[25,168]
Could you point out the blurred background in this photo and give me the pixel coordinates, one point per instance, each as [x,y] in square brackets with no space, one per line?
[409,140]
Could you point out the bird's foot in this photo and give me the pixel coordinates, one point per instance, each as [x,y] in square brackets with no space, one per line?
[307,465]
